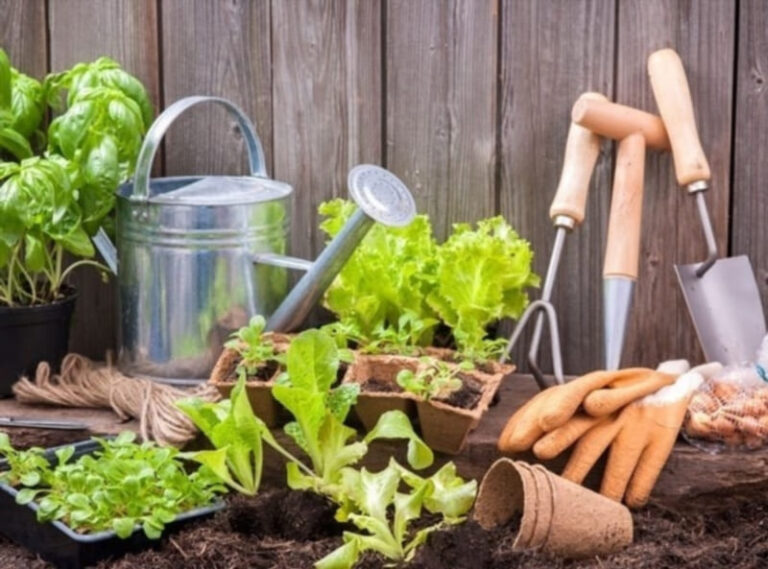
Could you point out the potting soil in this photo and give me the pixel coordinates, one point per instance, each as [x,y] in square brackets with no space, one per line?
[468,396]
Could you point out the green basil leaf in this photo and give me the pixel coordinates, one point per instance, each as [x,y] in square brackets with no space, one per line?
[34,253]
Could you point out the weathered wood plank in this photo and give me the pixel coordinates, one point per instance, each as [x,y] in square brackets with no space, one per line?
[750,168]
[441,105]
[703,33]
[125,30]
[327,102]
[23,35]
[222,49]
[551,52]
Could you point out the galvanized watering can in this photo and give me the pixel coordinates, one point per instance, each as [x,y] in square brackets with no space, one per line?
[198,256]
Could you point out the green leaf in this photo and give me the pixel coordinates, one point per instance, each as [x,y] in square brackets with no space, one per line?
[343,557]
[396,425]
[450,496]
[123,527]
[30,479]
[312,361]
[15,144]
[5,80]
[34,253]
[26,496]
[64,454]
[78,243]
[152,529]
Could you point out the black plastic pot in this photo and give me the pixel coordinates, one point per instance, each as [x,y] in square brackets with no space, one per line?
[65,548]
[30,335]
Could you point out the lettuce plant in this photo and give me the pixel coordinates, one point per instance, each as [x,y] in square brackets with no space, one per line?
[386,277]
[400,284]
[482,276]
[255,348]
[52,203]
[119,487]
[382,512]
[434,379]
[319,411]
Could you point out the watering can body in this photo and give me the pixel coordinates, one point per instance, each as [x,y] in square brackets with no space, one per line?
[197,257]
[185,258]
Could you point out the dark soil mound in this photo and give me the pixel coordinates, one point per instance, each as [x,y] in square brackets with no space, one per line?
[468,396]
[284,514]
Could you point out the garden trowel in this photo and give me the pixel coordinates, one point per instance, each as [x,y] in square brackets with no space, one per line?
[721,294]
[622,251]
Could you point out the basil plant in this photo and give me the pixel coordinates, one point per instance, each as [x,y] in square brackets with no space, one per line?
[57,185]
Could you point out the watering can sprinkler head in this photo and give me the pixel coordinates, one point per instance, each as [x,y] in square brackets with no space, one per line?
[381,197]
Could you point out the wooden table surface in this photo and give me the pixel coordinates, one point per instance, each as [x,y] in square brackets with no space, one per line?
[688,473]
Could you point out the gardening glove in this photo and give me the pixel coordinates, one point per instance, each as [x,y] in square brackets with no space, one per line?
[554,407]
[641,437]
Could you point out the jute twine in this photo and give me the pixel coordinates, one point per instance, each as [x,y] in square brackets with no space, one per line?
[84,383]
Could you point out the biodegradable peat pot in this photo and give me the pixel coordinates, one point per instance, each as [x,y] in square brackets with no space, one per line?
[30,335]
[259,390]
[379,391]
[557,516]
[445,424]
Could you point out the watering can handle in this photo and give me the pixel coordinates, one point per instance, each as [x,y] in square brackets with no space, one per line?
[163,123]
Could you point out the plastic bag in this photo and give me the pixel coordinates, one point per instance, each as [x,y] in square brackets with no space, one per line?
[730,410]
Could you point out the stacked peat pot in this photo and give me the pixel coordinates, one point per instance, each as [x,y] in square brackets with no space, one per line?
[445,421]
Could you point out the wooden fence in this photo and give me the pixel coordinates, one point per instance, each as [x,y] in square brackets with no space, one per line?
[467,100]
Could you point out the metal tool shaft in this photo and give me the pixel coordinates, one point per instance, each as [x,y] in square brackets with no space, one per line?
[617,301]
[310,288]
[706,226]
[546,294]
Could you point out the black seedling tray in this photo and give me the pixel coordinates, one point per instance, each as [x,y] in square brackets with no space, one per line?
[65,548]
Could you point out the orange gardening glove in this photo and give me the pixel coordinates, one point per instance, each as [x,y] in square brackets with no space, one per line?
[641,437]
[555,407]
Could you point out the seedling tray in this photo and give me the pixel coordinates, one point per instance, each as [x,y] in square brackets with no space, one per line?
[65,548]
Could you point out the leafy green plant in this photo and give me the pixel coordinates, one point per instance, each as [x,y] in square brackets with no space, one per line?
[482,276]
[434,379]
[386,277]
[318,428]
[52,203]
[119,487]
[255,348]
[400,284]
[383,513]
[319,412]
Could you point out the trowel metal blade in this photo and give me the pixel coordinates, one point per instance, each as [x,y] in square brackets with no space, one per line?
[726,309]
[617,301]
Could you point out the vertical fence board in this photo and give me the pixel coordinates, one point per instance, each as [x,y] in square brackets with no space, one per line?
[441,105]
[551,53]
[81,30]
[703,33]
[221,49]
[327,102]
[750,201]
[23,36]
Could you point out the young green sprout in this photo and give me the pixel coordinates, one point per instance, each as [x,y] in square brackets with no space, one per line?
[434,379]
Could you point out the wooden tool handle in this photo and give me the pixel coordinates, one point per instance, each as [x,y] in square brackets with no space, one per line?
[673,98]
[622,252]
[616,121]
[581,151]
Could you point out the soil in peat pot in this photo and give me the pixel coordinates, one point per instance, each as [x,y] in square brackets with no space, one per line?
[468,396]
[376,385]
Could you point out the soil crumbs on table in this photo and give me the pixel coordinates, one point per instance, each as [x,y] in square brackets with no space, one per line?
[279,529]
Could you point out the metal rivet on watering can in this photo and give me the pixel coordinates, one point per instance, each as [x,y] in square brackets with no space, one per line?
[381,196]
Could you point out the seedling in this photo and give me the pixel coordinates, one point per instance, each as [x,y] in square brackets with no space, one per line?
[120,487]
[434,379]
[254,347]
[383,514]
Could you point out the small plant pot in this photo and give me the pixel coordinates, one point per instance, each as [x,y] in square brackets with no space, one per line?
[67,549]
[259,392]
[557,516]
[379,391]
[445,426]
[30,335]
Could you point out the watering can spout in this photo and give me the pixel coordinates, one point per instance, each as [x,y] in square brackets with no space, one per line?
[107,249]
[381,197]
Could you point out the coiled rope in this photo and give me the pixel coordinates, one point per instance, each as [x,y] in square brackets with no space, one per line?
[84,383]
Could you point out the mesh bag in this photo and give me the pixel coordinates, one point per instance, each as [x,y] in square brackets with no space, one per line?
[730,410]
